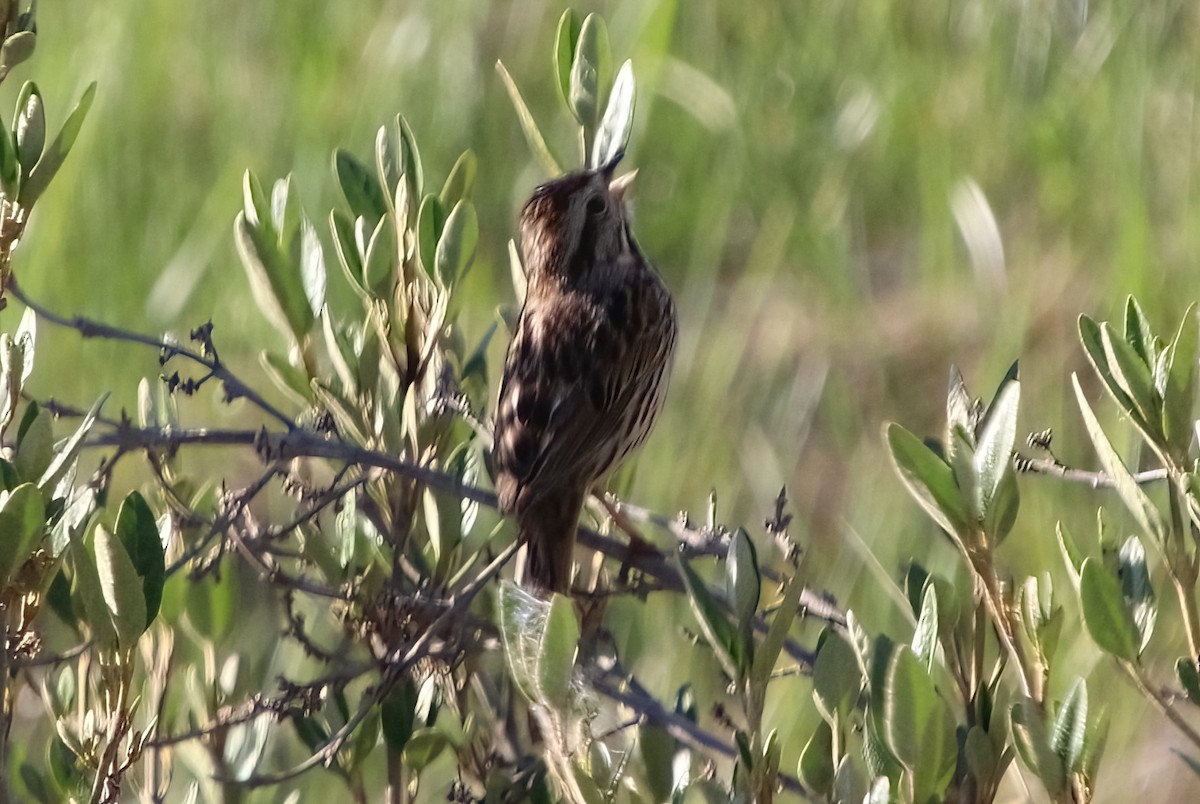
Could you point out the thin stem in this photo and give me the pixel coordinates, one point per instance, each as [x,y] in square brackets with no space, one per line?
[88,328]
[1161,703]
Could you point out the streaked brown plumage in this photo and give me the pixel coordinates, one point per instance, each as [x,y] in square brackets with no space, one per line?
[587,368]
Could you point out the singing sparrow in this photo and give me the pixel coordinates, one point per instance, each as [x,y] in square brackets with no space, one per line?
[587,367]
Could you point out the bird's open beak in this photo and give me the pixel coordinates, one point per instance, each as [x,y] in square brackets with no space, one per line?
[618,187]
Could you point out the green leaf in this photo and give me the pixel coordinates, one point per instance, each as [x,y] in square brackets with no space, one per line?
[565,41]
[29,127]
[119,584]
[925,637]
[1143,510]
[1189,677]
[138,532]
[743,583]
[1137,588]
[556,653]
[10,165]
[424,747]
[291,380]
[344,244]
[1138,334]
[359,187]
[927,477]
[460,181]
[919,728]
[35,444]
[1071,553]
[52,158]
[1093,345]
[274,280]
[1029,735]
[1105,612]
[658,749]
[613,135]
[721,635]
[589,71]
[431,221]
[994,446]
[517,272]
[85,586]
[1133,377]
[396,712]
[1179,397]
[387,168]
[518,609]
[815,768]
[837,677]
[456,246]
[1070,725]
[68,451]
[379,266]
[22,525]
[410,159]
[980,754]
[533,134]
[312,266]
[17,48]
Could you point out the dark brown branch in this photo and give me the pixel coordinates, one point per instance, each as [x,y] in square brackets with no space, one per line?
[88,328]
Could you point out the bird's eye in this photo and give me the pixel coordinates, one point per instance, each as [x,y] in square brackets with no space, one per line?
[596,205]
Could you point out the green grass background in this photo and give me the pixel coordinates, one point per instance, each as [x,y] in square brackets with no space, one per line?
[798,164]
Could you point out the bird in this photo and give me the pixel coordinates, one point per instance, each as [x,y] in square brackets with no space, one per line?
[587,369]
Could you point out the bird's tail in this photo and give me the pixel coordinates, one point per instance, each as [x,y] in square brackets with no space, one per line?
[548,527]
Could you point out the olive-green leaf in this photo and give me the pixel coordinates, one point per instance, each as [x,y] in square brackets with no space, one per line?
[359,185]
[86,587]
[1179,397]
[431,221]
[927,477]
[1138,589]
[456,246]
[994,446]
[1189,677]
[138,532]
[1139,504]
[52,157]
[589,71]
[29,127]
[66,453]
[556,653]
[460,181]
[565,41]
[120,586]
[1134,378]
[919,728]
[1029,735]
[721,635]
[815,767]
[22,524]
[1105,611]
[381,257]
[35,445]
[396,712]
[837,677]
[518,610]
[613,135]
[1070,726]
[533,134]
[925,636]
[743,583]
[17,48]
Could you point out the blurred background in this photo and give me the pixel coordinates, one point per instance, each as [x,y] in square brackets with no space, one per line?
[845,199]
